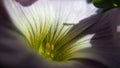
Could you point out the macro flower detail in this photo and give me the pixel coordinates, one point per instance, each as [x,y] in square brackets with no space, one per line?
[45,31]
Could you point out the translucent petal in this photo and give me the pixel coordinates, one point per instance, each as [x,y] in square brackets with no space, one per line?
[33,21]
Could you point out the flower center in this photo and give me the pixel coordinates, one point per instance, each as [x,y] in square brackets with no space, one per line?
[50,52]
[49,47]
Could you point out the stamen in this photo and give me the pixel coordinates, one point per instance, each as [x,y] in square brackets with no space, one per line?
[47,46]
[52,47]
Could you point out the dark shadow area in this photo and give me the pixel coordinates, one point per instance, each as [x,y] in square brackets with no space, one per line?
[90,63]
[4,17]
[106,41]
[26,2]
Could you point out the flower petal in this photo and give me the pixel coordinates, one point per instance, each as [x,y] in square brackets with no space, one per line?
[105,43]
[76,33]
[33,20]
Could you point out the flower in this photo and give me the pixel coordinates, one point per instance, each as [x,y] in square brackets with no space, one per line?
[49,35]
[46,32]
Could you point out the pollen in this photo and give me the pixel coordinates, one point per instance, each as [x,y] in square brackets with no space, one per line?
[49,46]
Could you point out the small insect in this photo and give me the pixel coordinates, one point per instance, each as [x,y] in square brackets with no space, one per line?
[68,24]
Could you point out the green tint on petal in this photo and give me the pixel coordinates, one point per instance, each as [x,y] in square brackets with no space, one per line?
[45,30]
[34,22]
